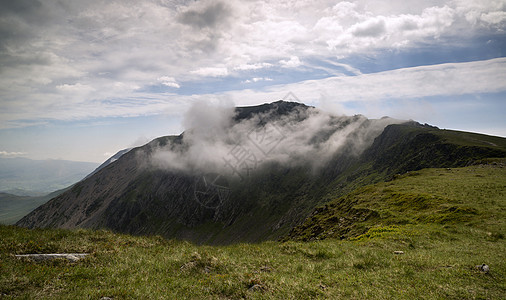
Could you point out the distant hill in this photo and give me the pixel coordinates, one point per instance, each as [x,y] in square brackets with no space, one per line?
[27,177]
[174,187]
[13,207]
[19,202]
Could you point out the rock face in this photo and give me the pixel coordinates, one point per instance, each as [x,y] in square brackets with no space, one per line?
[131,195]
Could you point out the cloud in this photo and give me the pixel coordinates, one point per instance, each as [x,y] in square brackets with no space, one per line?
[213,142]
[369,28]
[169,81]
[495,17]
[411,84]
[211,72]
[256,66]
[75,88]
[211,15]
[87,59]
[293,62]
[6,153]
[257,79]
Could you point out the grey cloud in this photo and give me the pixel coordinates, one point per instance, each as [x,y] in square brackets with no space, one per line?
[210,16]
[372,28]
[20,7]
[14,19]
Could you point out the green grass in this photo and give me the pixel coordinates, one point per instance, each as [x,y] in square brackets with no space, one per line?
[473,196]
[451,221]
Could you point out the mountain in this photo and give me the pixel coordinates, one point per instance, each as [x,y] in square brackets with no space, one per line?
[18,203]
[109,161]
[429,233]
[253,173]
[27,177]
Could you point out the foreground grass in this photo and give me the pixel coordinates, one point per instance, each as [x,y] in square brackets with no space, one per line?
[438,262]
[439,257]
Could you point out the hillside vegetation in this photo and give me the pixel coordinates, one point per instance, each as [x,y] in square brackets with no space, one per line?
[446,221]
[474,196]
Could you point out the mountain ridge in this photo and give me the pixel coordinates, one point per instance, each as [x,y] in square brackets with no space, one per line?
[130,196]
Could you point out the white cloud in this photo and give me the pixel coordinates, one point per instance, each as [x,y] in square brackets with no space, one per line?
[257,66]
[370,28]
[95,54]
[293,62]
[257,79]
[409,83]
[169,81]
[495,17]
[6,153]
[75,88]
[445,79]
[211,72]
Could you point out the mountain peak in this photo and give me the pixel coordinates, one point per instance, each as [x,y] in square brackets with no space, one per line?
[278,108]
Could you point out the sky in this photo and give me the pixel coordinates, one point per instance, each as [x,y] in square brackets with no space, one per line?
[81,80]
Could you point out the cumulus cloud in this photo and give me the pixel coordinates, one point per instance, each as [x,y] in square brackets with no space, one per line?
[293,62]
[369,28]
[495,17]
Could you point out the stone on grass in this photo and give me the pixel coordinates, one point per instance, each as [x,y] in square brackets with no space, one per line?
[255,287]
[73,257]
[483,267]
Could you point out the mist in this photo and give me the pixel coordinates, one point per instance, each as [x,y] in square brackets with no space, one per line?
[215,140]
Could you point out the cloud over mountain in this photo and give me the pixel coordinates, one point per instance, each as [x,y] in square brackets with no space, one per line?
[216,140]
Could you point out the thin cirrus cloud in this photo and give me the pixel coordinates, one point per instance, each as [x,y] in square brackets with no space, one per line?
[487,76]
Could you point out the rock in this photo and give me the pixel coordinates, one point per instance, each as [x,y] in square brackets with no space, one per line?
[73,257]
[483,267]
[398,252]
[255,287]
[106,298]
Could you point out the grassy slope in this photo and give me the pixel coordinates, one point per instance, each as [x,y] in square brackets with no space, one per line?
[445,221]
[474,196]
